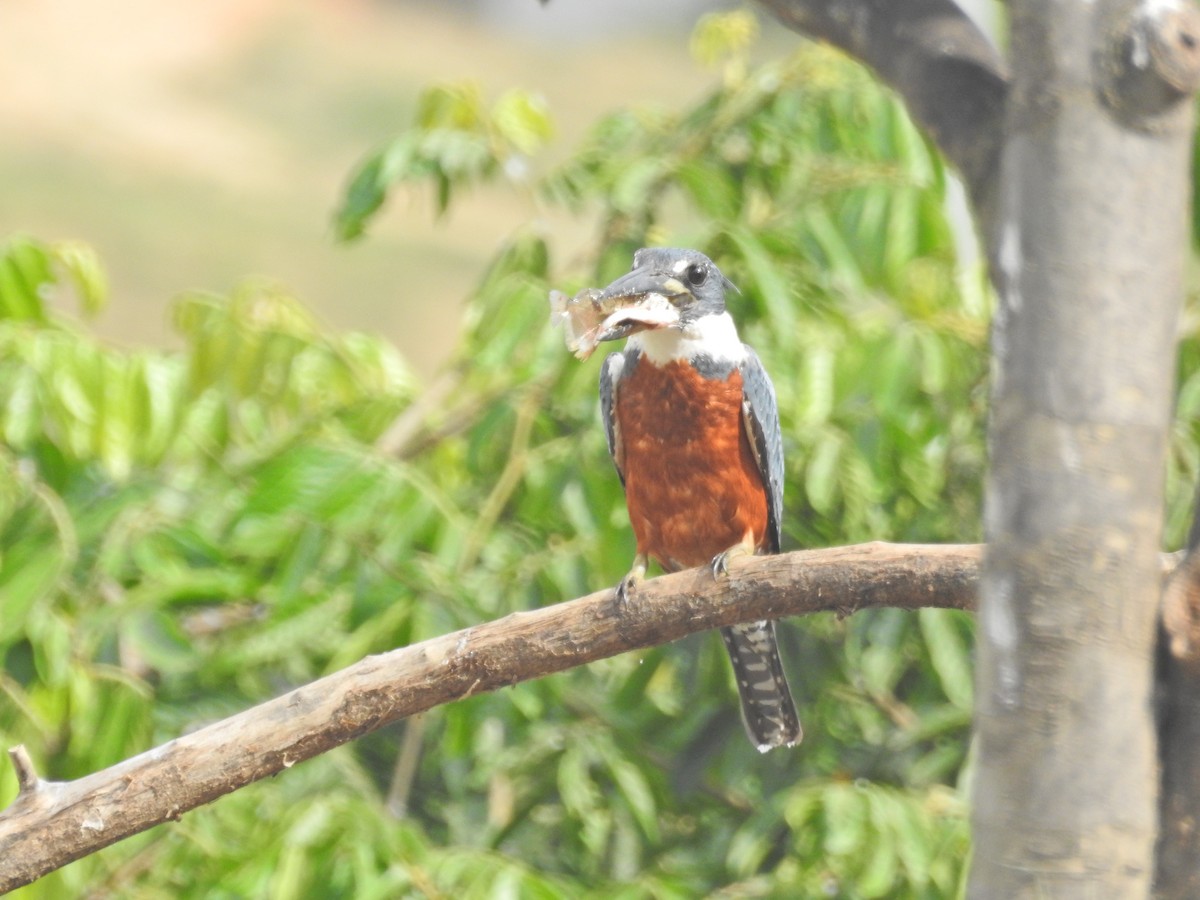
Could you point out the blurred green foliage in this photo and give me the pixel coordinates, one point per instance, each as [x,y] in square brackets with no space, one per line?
[187,533]
[455,140]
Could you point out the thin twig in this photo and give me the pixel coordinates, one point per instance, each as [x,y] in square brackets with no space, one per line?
[27,777]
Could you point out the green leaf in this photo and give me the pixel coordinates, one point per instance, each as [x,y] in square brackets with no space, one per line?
[878,876]
[768,277]
[26,581]
[845,819]
[25,274]
[711,187]
[159,642]
[723,34]
[50,637]
[820,475]
[636,185]
[523,120]
[575,785]
[83,266]
[949,654]
[362,199]
[458,105]
[636,792]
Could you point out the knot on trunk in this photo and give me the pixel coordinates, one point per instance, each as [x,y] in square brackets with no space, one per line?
[1150,65]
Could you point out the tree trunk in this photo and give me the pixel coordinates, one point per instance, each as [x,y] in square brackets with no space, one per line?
[1091,241]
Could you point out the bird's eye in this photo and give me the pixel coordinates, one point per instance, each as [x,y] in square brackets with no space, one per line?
[696,275]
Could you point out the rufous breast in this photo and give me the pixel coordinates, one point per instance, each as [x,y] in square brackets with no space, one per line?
[692,485]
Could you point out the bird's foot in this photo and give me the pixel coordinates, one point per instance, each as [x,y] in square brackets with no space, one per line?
[636,576]
[720,563]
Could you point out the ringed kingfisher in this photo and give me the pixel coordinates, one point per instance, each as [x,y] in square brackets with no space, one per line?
[693,428]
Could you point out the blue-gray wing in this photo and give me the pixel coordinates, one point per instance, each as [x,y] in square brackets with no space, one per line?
[610,379]
[761,414]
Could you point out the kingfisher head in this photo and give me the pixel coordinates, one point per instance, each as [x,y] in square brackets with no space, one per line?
[668,288]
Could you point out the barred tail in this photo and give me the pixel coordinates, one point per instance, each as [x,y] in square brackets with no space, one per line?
[767,708]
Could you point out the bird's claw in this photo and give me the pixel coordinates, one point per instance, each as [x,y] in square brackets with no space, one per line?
[624,590]
[720,563]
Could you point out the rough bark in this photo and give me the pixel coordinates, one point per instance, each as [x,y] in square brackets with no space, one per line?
[52,823]
[1092,236]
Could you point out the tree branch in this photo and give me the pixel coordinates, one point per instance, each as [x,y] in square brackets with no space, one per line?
[52,823]
[953,81]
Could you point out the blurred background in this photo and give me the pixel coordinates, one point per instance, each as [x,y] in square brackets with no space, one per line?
[198,142]
[186,532]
